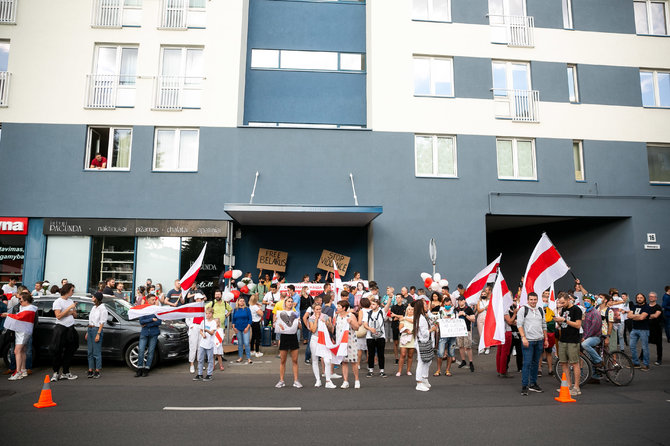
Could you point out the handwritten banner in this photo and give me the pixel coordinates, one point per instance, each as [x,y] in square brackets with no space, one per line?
[452,328]
[272,259]
[326,261]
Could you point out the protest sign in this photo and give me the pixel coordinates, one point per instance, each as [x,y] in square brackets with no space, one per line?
[272,259]
[326,261]
[451,328]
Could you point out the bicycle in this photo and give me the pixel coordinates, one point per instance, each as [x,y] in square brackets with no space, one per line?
[585,372]
[617,367]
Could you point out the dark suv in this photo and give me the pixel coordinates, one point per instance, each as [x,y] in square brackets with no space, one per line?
[121,335]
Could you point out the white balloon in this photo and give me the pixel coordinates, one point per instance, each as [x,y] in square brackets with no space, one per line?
[444,282]
[237,274]
[424,276]
[228,296]
[435,286]
[437,277]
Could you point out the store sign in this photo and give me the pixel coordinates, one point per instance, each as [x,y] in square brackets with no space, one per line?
[135,228]
[12,253]
[17,226]
[326,261]
[272,259]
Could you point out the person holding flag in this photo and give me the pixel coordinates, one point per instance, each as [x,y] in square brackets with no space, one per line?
[207,328]
[547,297]
[545,266]
[347,321]
[148,335]
[22,324]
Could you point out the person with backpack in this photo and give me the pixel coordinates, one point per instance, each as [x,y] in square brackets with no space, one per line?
[533,330]
[376,337]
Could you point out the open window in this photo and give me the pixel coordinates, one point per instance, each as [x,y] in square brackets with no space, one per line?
[108,148]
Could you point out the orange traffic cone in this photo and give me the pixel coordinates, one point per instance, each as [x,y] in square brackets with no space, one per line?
[564,396]
[45,396]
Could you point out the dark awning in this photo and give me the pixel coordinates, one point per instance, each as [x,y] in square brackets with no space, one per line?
[301,215]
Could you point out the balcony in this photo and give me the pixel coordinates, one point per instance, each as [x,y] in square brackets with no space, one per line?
[177,92]
[515,31]
[109,91]
[8,11]
[517,105]
[114,14]
[179,14]
[5,76]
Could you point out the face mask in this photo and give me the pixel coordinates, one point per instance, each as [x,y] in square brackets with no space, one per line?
[587,304]
[545,305]
[447,307]
[599,301]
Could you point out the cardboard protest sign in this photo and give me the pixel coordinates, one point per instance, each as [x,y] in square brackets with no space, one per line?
[451,328]
[272,259]
[326,261]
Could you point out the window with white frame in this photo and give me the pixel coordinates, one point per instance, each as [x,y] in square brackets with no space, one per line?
[306,60]
[179,84]
[435,156]
[182,14]
[578,157]
[176,149]
[5,75]
[433,76]
[573,90]
[432,10]
[658,157]
[112,82]
[108,148]
[567,14]
[651,17]
[655,86]
[116,13]
[516,159]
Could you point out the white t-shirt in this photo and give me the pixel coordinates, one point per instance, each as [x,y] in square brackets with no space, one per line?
[208,341]
[6,289]
[270,300]
[61,304]
[375,319]
[255,317]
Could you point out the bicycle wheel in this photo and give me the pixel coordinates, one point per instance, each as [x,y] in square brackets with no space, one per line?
[619,369]
[558,370]
[585,372]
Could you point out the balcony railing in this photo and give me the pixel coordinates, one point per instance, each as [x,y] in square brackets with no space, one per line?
[109,91]
[8,11]
[177,92]
[513,30]
[519,105]
[107,13]
[173,15]
[5,76]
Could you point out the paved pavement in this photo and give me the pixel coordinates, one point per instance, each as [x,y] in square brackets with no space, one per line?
[466,408]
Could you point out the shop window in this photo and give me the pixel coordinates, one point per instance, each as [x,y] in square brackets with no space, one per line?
[208,277]
[112,257]
[108,148]
[11,257]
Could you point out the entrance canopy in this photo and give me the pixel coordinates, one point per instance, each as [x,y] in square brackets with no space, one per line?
[301,215]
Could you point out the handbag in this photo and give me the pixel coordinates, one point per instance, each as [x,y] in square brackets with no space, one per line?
[361,332]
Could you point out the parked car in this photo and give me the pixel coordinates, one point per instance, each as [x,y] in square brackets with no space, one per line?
[121,335]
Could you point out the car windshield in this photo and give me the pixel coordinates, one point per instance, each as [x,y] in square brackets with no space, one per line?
[119,307]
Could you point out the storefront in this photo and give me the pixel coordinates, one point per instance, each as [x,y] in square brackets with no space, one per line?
[13,231]
[88,251]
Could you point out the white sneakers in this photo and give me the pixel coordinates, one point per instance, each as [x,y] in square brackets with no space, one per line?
[17,376]
[318,384]
[426,383]
[258,354]
[357,385]
[297,384]
[345,385]
[330,385]
[192,369]
[70,376]
[487,351]
[336,376]
[280,384]
[421,386]
[54,377]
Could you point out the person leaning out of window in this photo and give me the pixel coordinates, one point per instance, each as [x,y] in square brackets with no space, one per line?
[96,322]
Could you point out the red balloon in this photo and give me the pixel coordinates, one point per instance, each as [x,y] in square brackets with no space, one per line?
[245,289]
[427,282]
[228,274]
[236,293]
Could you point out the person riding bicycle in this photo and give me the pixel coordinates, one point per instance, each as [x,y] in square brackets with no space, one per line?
[607,322]
[592,326]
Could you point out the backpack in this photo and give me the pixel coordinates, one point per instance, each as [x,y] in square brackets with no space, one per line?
[525,311]
[379,327]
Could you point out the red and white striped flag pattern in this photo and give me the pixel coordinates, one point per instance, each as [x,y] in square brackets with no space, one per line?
[142,310]
[494,324]
[192,272]
[476,285]
[23,321]
[544,268]
[275,277]
[552,298]
[194,309]
[336,351]
[218,337]
[337,282]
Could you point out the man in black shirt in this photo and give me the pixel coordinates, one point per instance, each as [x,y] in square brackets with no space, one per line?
[397,313]
[173,297]
[110,287]
[656,326]
[465,342]
[639,315]
[570,320]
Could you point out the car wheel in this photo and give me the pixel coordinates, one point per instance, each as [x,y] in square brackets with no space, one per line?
[132,354]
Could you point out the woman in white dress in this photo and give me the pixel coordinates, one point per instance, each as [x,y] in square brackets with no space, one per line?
[423,332]
[313,325]
[346,320]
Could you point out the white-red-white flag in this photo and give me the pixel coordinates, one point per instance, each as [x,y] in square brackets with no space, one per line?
[334,352]
[337,282]
[193,310]
[192,273]
[142,310]
[544,268]
[275,277]
[552,298]
[494,324]
[476,285]
[23,321]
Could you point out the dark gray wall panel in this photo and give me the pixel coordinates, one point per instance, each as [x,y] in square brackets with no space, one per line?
[609,85]
[551,79]
[473,77]
[547,13]
[609,16]
[470,11]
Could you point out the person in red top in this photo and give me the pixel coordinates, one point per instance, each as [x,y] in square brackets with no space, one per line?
[99,162]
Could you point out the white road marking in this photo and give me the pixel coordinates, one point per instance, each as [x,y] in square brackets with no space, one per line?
[248,409]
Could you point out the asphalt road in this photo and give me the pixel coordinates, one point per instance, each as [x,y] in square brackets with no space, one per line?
[467,408]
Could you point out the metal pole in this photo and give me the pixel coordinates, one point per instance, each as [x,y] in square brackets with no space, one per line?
[353,188]
[253,191]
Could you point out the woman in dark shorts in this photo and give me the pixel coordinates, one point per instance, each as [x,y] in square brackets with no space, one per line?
[287,323]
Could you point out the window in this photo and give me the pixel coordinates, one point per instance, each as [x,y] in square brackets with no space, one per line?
[113,144]
[578,156]
[179,84]
[512,92]
[4,74]
[651,17]
[573,91]
[516,159]
[433,10]
[116,13]
[435,156]
[433,76]
[567,14]
[659,163]
[112,83]
[83,310]
[180,14]
[655,86]
[307,60]
[510,24]
[176,150]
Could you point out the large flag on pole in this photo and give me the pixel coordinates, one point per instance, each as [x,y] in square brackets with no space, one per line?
[192,272]
[476,285]
[544,268]
[142,310]
[183,312]
[337,282]
[494,324]
[23,321]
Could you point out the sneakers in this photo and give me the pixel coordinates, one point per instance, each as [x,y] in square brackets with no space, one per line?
[535,388]
[487,351]
[472,367]
[54,377]
[644,368]
[421,387]
[207,378]
[383,375]
[68,376]
[317,384]
[308,361]
[637,366]
[539,373]
[397,374]
[297,384]
[96,375]
[15,377]
[259,354]
[427,384]
[145,372]
[192,369]
[138,373]
[524,391]
[336,376]
[369,374]
[89,374]
[656,363]
[280,384]
[197,378]
[330,385]
[345,385]
[357,384]
[575,392]
[462,364]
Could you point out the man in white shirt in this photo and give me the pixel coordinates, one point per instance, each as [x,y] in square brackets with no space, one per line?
[65,340]
[38,291]
[10,288]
